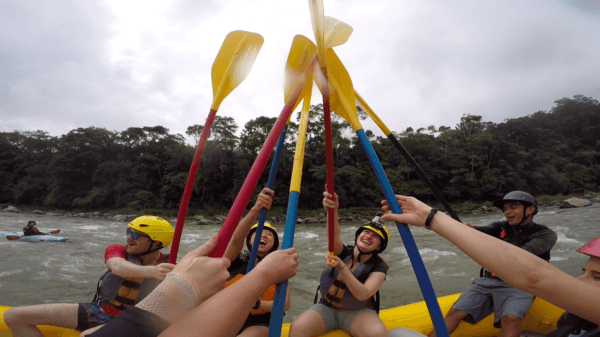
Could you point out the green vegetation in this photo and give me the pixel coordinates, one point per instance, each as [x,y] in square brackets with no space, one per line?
[144,170]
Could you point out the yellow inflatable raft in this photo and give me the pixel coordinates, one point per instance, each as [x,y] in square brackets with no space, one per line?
[541,319]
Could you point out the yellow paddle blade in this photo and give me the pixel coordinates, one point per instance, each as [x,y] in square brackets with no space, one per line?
[301,140]
[301,52]
[371,114]
[233,63]
[336,32]
[316,17]
[341,91]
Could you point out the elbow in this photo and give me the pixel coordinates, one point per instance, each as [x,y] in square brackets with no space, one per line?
[533,280]
[362,296]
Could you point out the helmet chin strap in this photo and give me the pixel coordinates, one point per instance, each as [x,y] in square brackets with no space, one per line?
[150,250]
[525,216]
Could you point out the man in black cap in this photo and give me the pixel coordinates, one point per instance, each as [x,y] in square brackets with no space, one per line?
[491,294]
[31,230]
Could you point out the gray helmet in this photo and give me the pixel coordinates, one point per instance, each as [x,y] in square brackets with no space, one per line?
[518,196]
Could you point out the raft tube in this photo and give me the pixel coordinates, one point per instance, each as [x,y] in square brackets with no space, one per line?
[540,319]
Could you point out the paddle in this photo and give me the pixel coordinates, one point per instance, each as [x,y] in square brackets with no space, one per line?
[240,202]
[343,103]
[406,155]
[317,20]
[301,52]
[296,61]
[231,66]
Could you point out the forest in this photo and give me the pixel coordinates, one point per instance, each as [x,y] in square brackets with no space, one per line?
[544,153]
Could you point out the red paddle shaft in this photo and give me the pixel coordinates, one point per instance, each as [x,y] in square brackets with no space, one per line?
[189,186]
[235,213]
[329,167]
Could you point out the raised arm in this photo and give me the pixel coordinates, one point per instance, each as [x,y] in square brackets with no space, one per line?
[361,291]
[263,200]
[217,317]
[329,202]
[519,268]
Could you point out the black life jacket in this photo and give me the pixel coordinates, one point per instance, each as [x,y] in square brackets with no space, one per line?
[365,269]
[122,293]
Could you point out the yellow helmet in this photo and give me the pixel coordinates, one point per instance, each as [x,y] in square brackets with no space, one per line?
[158,229]
[266,226]
[378,228]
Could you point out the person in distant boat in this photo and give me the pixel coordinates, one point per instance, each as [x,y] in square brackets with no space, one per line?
[350,286]
[257,323]
[30,229]
[518,267]
[133,272]
[489,293]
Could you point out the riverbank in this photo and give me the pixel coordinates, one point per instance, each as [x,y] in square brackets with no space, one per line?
[277,215]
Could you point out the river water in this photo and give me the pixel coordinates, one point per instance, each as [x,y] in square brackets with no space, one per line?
[35,273]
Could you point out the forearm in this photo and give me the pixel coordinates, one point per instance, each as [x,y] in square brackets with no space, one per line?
[217,317]
[358,289]
[522,269]
[239,235]
[127,269]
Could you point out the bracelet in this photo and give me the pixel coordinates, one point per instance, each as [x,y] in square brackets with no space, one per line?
[344,267]
[257,305]
[429,218]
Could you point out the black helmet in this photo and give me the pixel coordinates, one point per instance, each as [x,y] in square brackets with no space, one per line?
[518,196]
[31,221]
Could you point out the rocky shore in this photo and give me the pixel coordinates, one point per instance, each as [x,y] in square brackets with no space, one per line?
[584,201]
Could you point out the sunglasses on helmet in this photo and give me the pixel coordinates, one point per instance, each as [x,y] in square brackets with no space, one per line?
[134,235]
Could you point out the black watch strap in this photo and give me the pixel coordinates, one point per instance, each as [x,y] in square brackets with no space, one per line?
[429,218]
[257,305]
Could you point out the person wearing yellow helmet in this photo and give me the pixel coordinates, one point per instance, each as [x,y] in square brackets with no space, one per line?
[350,286]
[134,270]
[257,323]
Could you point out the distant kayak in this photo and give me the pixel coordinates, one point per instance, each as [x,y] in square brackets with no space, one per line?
[43,238]
[6,233]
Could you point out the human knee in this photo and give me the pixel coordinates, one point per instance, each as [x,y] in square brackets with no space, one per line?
[456,314]
[11,317]
[510,320]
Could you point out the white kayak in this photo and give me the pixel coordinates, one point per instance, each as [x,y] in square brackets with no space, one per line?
[43,238]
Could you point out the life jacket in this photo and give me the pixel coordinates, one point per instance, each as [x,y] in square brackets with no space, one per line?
[27,231]
[348,301]
[115,293]
[510,234]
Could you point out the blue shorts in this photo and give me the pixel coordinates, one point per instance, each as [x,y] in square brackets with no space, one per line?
[90,315]
[488,295]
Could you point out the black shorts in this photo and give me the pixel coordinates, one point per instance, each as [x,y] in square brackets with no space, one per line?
[256,320]
[133,322]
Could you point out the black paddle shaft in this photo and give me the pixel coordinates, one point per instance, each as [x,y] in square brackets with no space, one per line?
[423,176]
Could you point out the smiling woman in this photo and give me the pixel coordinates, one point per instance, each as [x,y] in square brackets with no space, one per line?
[350,287]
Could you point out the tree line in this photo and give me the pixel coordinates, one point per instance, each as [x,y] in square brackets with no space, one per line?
[555,152]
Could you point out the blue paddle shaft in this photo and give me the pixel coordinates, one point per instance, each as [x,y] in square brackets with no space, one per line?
[263,212]
[409,242]
[281,288]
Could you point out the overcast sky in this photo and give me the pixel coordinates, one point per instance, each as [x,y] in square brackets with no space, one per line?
[119,64]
